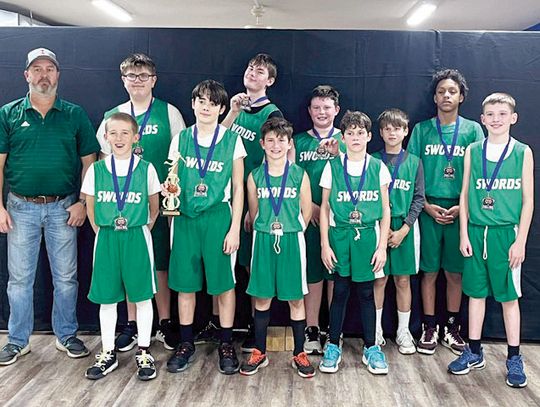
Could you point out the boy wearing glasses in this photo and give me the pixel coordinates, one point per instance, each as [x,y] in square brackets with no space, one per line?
[158,123]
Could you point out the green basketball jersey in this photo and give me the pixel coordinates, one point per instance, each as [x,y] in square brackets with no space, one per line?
[156,136]
[403,191]
[426,144]
[506,190]
[369,202]
[290,215]
[313,162]
[217,178]
[136,206]
[248,126]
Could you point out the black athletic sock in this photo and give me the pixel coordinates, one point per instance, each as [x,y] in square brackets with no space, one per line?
[453,319]
[366,299]
[226,335]
[298,328]
[260,327]
[342,289]
[186,333]
[145,348]
[513,351]
[430,321]
[474,344]
[215,320]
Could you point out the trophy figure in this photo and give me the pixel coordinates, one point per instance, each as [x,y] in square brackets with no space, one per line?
[170,189]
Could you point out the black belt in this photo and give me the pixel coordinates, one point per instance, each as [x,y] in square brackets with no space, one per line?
[41,199]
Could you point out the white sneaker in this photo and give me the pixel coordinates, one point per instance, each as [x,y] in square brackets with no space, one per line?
[379,338]
[405,341]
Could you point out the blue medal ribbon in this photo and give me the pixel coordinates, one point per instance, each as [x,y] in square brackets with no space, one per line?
[448,153]
[354,199]
[399,161]
[491,180]
[204,168]
[121,199]
[318,135]
[261,99]
[145,118]
[276,206]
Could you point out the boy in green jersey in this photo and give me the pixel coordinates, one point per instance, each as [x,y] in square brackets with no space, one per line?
[406,194]
[312,154]
[354,223]
[158,123]
[440,143]
[123,204]
[496,207]
[206,234]
[280,204]
[248,111]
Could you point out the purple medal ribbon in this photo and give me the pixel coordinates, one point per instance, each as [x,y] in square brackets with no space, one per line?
[489,181]
[276,206]
[354,199]
[204,168]
[317,134]
[449,154]
[396,166]
[121,199]
[145,118]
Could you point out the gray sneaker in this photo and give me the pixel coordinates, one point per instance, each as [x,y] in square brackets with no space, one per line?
[11,352]
[73,346]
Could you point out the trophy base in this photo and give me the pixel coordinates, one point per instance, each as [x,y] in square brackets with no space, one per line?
[167,212]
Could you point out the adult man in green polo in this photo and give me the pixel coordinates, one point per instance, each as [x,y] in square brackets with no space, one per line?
[43,142]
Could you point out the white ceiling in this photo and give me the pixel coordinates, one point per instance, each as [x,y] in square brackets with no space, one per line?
[303,14]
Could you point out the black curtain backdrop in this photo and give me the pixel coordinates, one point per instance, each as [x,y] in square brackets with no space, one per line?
[373,70]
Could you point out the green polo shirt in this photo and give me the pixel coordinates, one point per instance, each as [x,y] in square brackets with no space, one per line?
[44,153]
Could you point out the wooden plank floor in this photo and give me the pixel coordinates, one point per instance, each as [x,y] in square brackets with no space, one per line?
[47,377]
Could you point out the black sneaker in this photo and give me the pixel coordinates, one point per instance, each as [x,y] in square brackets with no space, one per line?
[167,334]
[254,363]
[184,355]
[146,369]
[73,346]
[249,342]
[312,341]
[105,363]
[228,362]
[127,339]
[209,334]
[11,352]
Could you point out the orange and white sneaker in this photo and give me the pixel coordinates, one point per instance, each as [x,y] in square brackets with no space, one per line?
[256,360]
[302,365]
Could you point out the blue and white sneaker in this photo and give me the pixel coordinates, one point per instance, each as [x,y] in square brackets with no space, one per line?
[516,375]
[331,359]
[467,361]
[375,360]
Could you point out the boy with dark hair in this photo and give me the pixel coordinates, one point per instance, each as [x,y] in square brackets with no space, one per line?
[158,123]
[406,194]
[496,207]
[354,222]
[440,143]
[206,234]
[280,205]
[248,111]
[312,151]
[123,204]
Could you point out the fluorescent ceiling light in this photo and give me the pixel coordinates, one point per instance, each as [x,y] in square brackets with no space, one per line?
[113,10]
[420,12]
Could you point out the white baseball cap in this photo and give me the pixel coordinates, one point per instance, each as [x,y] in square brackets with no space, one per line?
[41,53]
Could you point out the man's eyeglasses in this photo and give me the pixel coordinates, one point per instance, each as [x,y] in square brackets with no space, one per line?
[143,77]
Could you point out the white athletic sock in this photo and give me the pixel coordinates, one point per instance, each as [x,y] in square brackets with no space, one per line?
[145,316]
[107,324]
[403,320]
[378,320]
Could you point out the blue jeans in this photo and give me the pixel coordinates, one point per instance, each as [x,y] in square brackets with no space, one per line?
[29,219]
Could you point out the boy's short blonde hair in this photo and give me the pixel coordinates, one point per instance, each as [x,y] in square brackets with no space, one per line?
[393,117]
[123,117]
[500,97]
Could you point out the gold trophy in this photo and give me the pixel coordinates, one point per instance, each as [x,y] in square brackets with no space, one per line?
[170,189]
